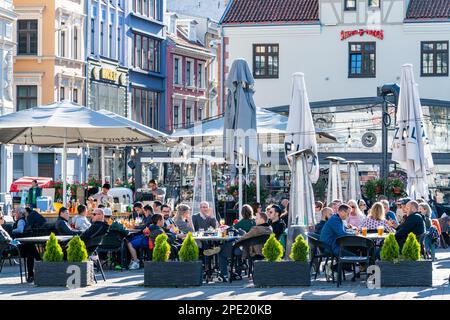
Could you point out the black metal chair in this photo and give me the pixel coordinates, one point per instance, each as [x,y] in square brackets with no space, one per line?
[91,247]
[245,245]
[318,251]
[114,246]
[356,243]
[11,251]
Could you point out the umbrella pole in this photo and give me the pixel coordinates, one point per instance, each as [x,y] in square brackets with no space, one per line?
[240,166]
[103,164]
[64,170]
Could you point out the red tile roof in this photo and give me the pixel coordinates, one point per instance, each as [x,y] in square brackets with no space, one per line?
[428,10]
[181,40]
[271,11]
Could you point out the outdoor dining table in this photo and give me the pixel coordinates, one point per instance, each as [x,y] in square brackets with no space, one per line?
[41,241]
[210,238]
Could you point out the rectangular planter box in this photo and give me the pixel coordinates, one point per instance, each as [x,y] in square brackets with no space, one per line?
[406,273]
[283,273]
[173,274]
[56,274]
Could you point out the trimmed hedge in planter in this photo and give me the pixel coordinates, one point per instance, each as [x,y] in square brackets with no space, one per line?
[282,273]
[406,273]
[275,272]
[173,274]
[56,274]
[187,272]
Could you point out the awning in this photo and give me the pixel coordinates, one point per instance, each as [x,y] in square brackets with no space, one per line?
[25,182]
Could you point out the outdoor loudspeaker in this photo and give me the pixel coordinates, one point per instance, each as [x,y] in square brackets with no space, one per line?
[131,164]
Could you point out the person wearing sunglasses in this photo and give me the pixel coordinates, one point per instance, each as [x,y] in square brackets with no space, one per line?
[98,227]
[356,217]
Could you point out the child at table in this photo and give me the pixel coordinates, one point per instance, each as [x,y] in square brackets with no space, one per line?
[81,221]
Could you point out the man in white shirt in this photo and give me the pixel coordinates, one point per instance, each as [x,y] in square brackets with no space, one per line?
[103,197]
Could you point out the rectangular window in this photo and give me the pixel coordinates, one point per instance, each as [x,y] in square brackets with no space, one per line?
[75,43]
[265,61]
[75,95]
[188,116]
[374,3]
[145,12]
[176,116]
[350,5]
[119,34]
[362,60]
[434,59]
[26,97]
[176,71]
[63,40]
[153,9]
[92,35]
[200,113]
[146,53]
[102,43]
[111,53]
[27,37]
[188,73]
[145,104]
[61,93]
[200,75]
[18,171]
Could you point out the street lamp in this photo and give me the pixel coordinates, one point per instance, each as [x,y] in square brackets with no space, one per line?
[389,89]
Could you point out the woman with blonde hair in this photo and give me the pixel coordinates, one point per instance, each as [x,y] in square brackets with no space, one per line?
[376,218]
[356,217]
[425,211]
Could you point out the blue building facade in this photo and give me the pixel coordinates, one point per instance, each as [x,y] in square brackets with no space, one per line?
[145,34]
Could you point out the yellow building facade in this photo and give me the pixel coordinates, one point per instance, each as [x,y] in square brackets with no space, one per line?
[49,60]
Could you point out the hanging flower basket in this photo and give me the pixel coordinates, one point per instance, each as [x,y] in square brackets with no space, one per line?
[396,190]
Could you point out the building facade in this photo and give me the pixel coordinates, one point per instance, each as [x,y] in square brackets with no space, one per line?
[347,49]
[7,45]
[49,66]
[147,61]
[187,79]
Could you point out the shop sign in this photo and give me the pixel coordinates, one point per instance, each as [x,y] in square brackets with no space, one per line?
[94,73]
[108,74]
[374,33]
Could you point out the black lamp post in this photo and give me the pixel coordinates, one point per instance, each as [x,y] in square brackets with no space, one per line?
[390,89]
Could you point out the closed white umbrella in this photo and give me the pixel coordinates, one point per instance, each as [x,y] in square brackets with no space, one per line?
[353,183]
[239,129]
[410,146]
[301,153]
[63,124]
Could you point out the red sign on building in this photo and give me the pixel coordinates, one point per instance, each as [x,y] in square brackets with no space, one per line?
[374,33]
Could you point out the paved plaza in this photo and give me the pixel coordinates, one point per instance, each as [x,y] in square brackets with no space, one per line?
[128,285]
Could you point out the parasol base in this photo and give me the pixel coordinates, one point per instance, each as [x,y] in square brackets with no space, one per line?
[293,232]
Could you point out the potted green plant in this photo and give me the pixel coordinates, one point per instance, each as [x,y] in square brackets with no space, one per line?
[186,272]
[395,188]
[77,271]
[405,270]
[273,271]
[379,186]
[370,190]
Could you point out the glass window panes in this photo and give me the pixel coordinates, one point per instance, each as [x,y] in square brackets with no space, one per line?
[350,4]
[434,58]
[265,60]
[27,37]
[26,97]
[374,3]
[145,104]
[362,59]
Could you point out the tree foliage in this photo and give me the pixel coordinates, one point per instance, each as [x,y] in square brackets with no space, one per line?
[390,250]
[272,250]
[161,251]
[189,249]
[300,249]
[76,250]
[411,248]
[53,251]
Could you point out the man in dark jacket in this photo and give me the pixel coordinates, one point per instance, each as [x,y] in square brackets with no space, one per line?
[277,224]
[98,228]
[334,228]
[33,193]
[326,214]
[414,223]
[62,224]
[34,219]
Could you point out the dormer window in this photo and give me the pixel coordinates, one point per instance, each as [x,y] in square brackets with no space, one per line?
[350,5]
[374,3]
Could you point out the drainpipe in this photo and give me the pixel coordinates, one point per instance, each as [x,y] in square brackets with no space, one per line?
[222,69]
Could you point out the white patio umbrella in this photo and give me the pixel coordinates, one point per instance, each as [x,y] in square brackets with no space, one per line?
[63,124]
[410,147]
[239,129]
[301,153]
[334,179]
[203,184]
[353,183]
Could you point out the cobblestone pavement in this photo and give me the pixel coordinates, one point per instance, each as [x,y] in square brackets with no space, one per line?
[129,285]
